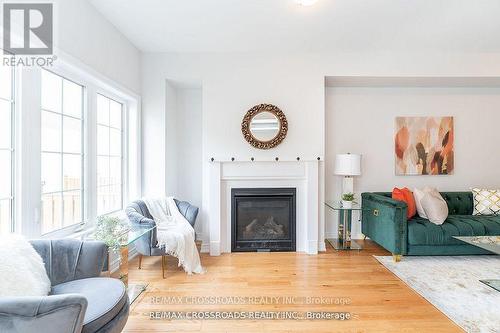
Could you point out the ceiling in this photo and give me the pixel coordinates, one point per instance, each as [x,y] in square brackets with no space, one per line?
[455,26]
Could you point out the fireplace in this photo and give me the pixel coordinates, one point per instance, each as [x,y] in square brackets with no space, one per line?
[263,219]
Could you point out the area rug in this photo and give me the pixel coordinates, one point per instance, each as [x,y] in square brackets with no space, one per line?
[452,285]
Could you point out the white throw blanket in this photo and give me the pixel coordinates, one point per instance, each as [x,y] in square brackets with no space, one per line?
[175,233]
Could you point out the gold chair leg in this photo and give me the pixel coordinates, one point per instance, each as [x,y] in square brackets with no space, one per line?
[140,260]
[163,266]
[396,257]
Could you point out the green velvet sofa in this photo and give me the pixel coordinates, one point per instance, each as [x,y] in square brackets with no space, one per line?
[385,223]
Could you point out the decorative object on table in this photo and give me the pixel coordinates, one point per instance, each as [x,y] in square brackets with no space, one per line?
[139,215]
[22,270]
[348,165]
[79,300]
[451,285]
[347,200]
[486,202]
[405,195]
[424,145]
[110,230]
[343,240]
[264,126]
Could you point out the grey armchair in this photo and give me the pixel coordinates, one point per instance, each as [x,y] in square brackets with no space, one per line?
[137,212]
[79,301]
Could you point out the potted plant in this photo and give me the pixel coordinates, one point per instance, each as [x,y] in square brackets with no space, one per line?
[109,230]
[347,200]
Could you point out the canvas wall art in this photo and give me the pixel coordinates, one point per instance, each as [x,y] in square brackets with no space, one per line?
[424,145]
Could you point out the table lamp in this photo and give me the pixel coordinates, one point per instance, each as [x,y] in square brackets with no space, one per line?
[348,165]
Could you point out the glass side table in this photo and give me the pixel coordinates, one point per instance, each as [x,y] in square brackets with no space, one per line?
[343,240]
[126,238]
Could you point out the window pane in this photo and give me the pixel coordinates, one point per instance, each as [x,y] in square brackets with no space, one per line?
[72,207]
[116,170]
[51,131]
[5,172]
[102,170]
[5,216]
[72,172]
[72,99]
[115,142]
[103,200]
[51,172]
[115,197]
[102,140]
[51,91]
[115,114]
[51,218]
[109,149]
[6,82]
[102,110]
[5,124]
[72,141]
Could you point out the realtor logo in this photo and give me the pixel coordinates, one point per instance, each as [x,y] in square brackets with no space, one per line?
[28,28]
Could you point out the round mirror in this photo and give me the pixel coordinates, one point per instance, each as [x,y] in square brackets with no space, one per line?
[264,126]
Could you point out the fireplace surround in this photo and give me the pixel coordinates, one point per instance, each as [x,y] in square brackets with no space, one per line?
[263,219]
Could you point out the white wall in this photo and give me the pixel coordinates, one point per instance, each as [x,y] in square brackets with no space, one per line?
[189,154]
[83,33]
[361,120]
[183,173]
[232,83]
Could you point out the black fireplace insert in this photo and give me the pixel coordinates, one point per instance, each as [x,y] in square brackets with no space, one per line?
[263,219]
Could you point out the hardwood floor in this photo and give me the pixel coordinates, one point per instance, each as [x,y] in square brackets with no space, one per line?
[378,300]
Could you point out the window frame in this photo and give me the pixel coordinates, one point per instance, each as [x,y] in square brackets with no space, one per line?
[12,149]
[28,146]
[83,191]
[124,149]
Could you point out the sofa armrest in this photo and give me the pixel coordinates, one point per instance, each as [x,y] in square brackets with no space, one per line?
[385,222]
[71,259]
[35,314]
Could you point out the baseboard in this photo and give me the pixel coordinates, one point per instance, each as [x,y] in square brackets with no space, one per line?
[214,248]
[205,248]
[322,246]
[312,247]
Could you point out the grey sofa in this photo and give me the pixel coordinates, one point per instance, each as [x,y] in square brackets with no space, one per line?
[138,213]
[79,301]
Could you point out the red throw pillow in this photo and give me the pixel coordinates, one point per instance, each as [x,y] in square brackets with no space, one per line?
[404,194]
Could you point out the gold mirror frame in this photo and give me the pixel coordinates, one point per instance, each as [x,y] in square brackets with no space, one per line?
[247,119]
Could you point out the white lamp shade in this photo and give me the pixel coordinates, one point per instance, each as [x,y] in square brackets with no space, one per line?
[348,165]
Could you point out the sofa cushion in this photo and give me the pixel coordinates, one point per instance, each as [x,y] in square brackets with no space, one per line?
[105,297]
[423,232]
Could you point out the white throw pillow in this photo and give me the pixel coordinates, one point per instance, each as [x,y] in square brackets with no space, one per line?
[22,272]
[435,207]
[418,195]
[486,202]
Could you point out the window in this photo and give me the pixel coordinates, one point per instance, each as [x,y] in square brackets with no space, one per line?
[62,152]
[109,155]
[6,148]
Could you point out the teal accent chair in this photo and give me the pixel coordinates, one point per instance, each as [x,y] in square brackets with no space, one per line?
[387,225]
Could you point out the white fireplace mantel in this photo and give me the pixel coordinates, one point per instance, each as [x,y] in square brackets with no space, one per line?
[302,175]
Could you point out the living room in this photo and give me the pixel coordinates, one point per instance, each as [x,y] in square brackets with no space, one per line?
[251,166]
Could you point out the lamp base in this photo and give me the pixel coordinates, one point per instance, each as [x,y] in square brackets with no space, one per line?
[348,185]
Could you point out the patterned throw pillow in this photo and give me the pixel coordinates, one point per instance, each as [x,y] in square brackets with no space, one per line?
[486,202]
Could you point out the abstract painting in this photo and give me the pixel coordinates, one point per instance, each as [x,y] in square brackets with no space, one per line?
[424,145]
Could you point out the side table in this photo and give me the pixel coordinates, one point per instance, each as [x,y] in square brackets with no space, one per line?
[343,240]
